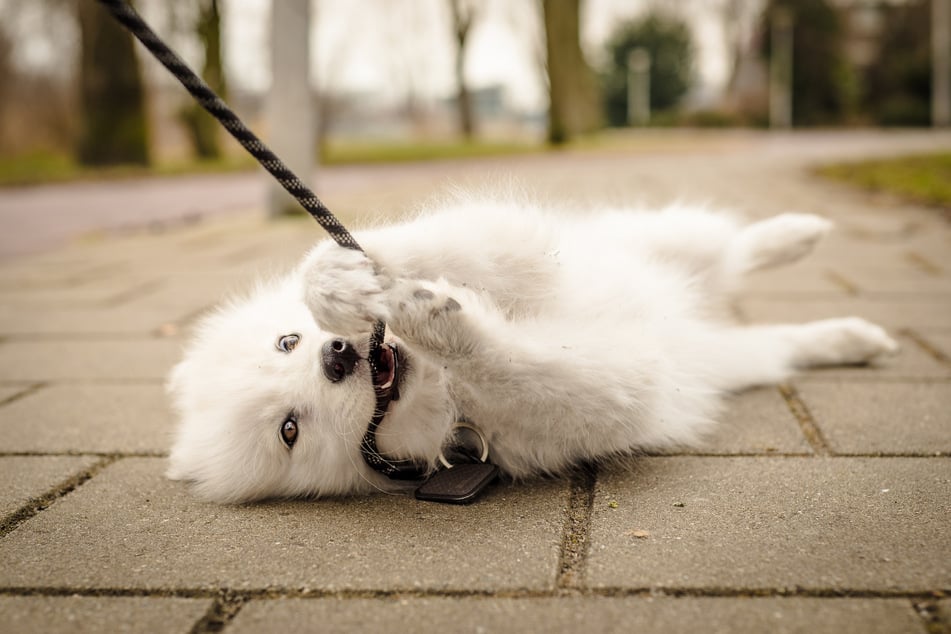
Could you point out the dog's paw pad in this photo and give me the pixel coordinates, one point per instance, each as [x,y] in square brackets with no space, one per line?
[344,290]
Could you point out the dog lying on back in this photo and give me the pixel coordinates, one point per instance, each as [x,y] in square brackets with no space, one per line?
[563,338]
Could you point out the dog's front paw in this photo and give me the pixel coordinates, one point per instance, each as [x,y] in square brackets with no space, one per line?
[426,314]
[344,290]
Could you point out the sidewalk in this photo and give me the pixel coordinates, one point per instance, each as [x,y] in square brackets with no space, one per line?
[821,506]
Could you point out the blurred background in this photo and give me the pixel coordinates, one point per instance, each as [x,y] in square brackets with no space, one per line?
[403,79]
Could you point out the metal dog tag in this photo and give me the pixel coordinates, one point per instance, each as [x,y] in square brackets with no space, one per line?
[460,484]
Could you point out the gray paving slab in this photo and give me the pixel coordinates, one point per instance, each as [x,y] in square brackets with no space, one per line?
[944,612]
[871,524]
[27,477]
[108,321]
[796,280]
[151,533]
[53,360]
[184,294]
[881,417]
[900,278]
[100,293]
[916,311]
[576,614]
[82,615]
[756,422]
[30,275]
[94,418]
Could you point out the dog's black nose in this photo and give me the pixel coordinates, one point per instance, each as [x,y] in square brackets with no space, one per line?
[339,358]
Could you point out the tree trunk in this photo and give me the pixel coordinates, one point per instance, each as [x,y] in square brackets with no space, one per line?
[289,105]
[462,18]
[113,125]
[202,128]
[575,100]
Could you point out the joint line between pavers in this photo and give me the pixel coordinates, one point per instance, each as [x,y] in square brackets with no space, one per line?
[574,542]
[221,612]
[807,424]
[842,282]
[30,509]
[146,334]
[922,263]
[922,343]
[139,290]
[930,617]
[27,390]
[234,599]
[72,453]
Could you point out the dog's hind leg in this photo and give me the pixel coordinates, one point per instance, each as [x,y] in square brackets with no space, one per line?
[760,355]
[774,242]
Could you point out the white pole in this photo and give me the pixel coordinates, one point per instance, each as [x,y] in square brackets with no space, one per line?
[781,69]
[639,87]
[289,104]
[941,63]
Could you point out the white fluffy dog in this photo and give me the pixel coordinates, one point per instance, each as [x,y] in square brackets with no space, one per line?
[563,338]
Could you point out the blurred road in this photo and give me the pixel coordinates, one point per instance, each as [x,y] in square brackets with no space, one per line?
[39,218]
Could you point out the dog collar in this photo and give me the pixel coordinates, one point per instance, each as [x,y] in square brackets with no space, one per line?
[463,473]
[395,469]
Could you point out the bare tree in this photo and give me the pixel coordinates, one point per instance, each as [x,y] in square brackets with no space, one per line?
[203,130]
[575,101]
[463,15]
[738,17]
[113,126]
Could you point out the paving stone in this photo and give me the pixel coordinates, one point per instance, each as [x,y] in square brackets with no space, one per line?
[870,524]
[98,293]
[79,615]
[94,418]
[881,417]
[903,279]
[121,320]
[150,533]
[188,293]
[133,359]
[913,311]
[756,421]
[20,275]
[798,280]
[28,477]
[590,614]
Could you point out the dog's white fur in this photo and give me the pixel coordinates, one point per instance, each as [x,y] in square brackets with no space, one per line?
[565,338]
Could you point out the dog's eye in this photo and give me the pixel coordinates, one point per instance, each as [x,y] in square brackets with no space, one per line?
[287,343]
[289,431]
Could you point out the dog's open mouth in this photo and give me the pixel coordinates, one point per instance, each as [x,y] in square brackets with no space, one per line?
[385,362]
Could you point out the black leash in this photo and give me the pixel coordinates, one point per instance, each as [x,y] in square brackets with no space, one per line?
[207,99]
[460,482]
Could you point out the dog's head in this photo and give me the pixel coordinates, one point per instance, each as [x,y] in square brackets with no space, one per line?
[270,405]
